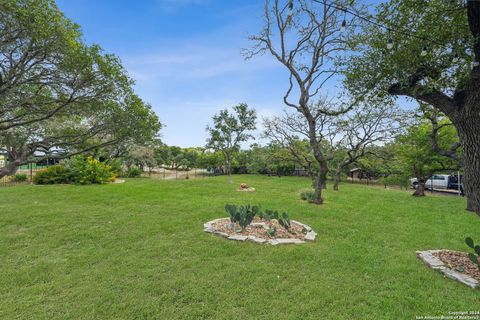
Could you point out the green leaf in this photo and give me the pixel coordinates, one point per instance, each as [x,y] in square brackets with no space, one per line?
[477,250]
[473,258]
[469,242]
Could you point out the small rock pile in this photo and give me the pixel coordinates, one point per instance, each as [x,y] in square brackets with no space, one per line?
[244,187]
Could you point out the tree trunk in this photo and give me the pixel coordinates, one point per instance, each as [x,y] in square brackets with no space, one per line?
[469,132]
[420,190]
[317,186]
[323,173]
[16,158]
[9,169]
[336,180]
[320,181]
[229,171]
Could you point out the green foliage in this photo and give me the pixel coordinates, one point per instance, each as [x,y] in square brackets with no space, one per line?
[272,231]
[284,221]
[57,174]
[89,170]
[133,172]
[210,160]
[177,158]
[271,159]
[415,153]
[140,155]
[475,256]
[243,215]
[115,166]
[397,180]
[230,130]
[268,215]
[307,195]
[376,68]
[20,177]
[83,97]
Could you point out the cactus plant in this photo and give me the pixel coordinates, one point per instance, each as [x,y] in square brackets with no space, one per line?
[242,215]
[272,231]
[268,215]
[232,212]
[284,221]
[474,257]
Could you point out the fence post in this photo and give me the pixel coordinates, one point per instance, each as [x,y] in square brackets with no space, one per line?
[31,172]
[163,173]
[176,174]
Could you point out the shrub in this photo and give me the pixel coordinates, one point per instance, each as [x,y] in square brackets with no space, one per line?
[116,166]
[89,170]
[307,195]
[53,175]
[133,172]
[398,180]
[20,177]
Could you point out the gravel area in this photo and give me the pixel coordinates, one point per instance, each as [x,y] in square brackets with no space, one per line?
[459,262]
[258,228]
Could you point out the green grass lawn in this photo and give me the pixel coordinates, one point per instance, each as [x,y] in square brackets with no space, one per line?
[138,251]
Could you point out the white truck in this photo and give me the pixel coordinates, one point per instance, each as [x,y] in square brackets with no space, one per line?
[441,181]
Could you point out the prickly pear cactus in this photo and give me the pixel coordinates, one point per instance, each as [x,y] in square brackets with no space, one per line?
[284,221]
[474,257]
[242,215]
[232,212]
[272,231]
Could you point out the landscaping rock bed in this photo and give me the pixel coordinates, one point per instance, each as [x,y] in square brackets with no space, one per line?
[257,231]
[245,188]
[453,264]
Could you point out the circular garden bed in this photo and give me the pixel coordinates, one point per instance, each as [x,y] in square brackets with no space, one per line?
[246,188]
[260,231]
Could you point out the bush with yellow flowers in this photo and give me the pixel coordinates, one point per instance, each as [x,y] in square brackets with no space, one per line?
[89,170]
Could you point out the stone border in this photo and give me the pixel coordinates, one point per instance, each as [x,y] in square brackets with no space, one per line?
[436,264]
[310,236]
[247,190]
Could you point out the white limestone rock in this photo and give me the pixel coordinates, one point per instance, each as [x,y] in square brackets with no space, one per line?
[436,264]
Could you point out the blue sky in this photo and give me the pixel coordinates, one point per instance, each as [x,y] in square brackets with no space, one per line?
[185,57]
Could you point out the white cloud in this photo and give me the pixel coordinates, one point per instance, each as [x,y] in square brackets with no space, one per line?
[193,62]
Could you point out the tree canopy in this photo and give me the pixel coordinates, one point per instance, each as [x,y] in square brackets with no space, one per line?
[59,96]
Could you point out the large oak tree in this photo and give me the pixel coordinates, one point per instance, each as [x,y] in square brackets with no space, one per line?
[435,60]
[59,96]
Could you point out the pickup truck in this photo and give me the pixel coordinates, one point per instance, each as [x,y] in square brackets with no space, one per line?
[441,181]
